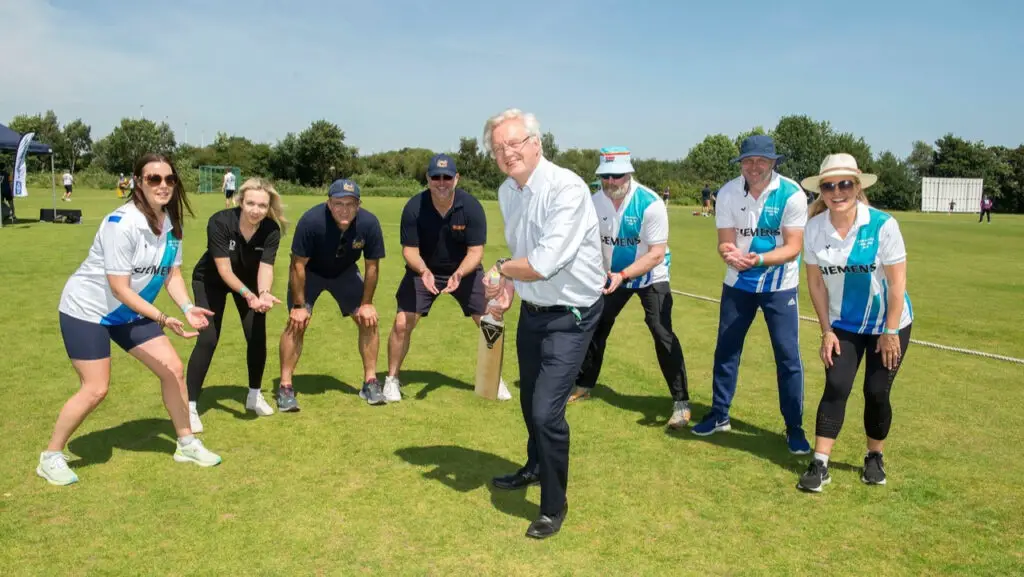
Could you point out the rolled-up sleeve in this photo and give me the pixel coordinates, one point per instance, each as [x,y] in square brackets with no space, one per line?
[564,226]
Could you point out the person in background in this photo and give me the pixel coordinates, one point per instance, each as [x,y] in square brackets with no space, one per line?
[705,197]
[857,279]
[986,208]
[229,187]
[68,181]
[135,253]
[7,193]
[241,247]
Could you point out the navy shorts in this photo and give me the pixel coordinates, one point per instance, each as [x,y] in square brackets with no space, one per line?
[413,296]
[86,341]
[346,288]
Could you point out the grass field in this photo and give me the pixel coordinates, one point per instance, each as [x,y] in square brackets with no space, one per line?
[342,488]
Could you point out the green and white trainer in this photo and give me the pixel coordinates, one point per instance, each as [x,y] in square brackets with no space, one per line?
[195,452]
[53,466]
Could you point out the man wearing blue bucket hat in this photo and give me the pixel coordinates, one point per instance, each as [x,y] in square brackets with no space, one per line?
[760,218]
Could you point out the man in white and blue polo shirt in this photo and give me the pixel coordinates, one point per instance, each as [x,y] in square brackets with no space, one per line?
[634,240]
[760,217]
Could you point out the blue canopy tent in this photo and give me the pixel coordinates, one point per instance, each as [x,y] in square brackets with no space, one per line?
[9,140]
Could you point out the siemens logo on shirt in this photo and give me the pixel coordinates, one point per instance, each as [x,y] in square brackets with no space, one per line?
[849,269]
[758,231]
[153,270]
[614,241]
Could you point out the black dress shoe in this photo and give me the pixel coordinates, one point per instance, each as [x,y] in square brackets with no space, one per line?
[517,480]
[546,525]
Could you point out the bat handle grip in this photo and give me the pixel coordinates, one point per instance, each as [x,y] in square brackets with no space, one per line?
[495,316]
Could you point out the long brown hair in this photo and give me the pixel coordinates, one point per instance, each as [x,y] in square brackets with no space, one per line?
[275,211]
[175,208]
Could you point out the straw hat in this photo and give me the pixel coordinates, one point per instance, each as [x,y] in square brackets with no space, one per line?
[841,164]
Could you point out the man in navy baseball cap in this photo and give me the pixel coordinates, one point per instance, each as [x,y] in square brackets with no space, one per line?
[442,165]
[329,241]
[343,187]
[443,233]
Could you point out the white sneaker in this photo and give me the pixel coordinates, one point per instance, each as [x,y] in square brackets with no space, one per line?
[503,393]
[193,419]
[256,403]
[392,394]
[54,468]
[195,452]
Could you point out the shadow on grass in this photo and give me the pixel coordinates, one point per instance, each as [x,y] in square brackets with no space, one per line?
[762,443]
[466,470]
[144,435]
[433,380]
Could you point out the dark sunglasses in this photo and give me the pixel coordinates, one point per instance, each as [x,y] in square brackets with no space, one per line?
[155,179]
[611,176]
[831,186]
[444,177]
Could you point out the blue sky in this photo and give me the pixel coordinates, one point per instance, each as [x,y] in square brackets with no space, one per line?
[655,76]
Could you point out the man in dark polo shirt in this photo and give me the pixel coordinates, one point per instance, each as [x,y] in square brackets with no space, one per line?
[329,240]
[444,230]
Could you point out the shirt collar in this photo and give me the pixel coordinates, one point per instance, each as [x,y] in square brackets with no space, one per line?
[863,217]
[540,175]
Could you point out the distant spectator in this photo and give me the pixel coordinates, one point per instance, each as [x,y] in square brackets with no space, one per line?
[986,208]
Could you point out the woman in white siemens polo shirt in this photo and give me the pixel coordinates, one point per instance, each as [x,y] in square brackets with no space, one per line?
[857,278]
[136,251]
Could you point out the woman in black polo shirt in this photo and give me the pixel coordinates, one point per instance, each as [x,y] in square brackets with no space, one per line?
[241,247]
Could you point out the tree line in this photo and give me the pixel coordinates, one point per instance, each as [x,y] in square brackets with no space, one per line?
[308,160]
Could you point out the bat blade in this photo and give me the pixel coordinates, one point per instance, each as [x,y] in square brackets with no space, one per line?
[489,357]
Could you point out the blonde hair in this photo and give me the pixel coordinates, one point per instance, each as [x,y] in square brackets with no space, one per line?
[275,211]
[818,206]
[529,121]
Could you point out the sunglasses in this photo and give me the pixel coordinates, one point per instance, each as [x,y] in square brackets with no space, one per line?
[611,176]
[842,185]
[444,177]
[155,179]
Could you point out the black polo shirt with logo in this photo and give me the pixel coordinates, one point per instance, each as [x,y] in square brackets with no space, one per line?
[443,240]
[329,250]
[224,240]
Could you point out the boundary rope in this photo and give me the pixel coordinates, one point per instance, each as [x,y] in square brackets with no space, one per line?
[915,341]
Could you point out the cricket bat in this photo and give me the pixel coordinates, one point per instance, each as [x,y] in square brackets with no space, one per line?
[490,354]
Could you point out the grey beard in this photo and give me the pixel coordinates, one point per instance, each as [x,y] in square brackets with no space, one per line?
[619,193]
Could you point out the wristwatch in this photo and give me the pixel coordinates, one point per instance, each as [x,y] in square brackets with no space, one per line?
[500,262]
[297,306]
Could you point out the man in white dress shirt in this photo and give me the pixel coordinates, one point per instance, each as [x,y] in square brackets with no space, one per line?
[557,269]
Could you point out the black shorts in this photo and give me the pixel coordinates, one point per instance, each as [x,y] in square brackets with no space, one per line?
[346,288]
[86,341]
[67,188]
[229,193]
[413,296]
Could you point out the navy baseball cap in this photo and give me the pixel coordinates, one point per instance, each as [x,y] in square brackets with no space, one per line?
[442,164]
[343,187]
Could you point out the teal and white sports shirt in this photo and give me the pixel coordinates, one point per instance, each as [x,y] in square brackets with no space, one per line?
[758,225]
[852,267]
[628,233]
[124,245]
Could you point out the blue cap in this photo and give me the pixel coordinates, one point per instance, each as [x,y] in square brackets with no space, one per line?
[757,145]
[343,187]
[441,164]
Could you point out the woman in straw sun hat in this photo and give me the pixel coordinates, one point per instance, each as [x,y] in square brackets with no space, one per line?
[856,276]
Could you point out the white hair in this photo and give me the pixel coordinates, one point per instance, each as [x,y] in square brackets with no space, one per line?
[527,118]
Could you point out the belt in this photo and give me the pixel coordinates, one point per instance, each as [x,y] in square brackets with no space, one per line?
[546,309]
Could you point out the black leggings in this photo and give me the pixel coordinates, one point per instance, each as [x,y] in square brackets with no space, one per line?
[877,385]
[254,326]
